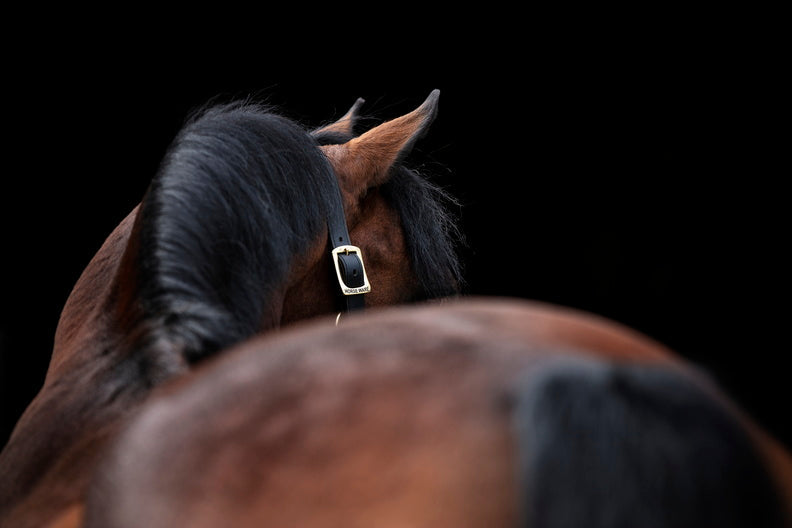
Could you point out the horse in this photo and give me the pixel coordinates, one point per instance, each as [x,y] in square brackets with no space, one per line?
[472,412]
[247,227]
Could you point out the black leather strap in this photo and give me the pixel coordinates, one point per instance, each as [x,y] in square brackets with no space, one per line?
[350,265]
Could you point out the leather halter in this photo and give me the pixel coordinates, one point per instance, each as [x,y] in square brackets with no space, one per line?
[347,259]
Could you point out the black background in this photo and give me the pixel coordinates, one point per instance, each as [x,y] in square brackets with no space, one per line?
[623,169]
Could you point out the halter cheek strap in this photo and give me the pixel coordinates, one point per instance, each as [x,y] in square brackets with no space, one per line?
[347,259]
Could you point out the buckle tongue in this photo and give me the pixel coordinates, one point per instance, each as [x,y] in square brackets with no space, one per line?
[348,262]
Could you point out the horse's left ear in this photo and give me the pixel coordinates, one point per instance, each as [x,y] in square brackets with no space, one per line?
[365,161]
[345,125]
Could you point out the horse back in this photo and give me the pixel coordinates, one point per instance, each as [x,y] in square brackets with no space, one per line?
[425,415]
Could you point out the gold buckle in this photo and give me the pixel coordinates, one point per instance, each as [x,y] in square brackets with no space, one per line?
[346,290]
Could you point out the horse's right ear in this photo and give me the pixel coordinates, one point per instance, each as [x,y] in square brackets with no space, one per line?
[365,161]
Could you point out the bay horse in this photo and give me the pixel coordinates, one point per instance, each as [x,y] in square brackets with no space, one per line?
[232,238]
[468,413]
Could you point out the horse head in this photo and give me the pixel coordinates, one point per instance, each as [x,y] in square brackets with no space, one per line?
[235,234]
[385,207]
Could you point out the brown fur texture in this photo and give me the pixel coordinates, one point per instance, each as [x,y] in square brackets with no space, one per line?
[400,417]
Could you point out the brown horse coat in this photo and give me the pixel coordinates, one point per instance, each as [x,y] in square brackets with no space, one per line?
[400,417]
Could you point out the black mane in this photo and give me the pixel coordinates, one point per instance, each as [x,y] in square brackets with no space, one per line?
[429,230]
[607,444]
[240,193]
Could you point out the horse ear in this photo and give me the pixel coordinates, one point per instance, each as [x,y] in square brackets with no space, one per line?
[345,123]
[365,161]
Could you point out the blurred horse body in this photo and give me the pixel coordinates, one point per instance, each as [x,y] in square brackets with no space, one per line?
[471,413]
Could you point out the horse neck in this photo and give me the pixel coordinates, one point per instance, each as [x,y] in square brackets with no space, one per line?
[98,375]
[91,329]
[53,447]
[83,323]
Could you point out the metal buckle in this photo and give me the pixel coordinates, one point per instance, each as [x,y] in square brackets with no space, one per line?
[346,290]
